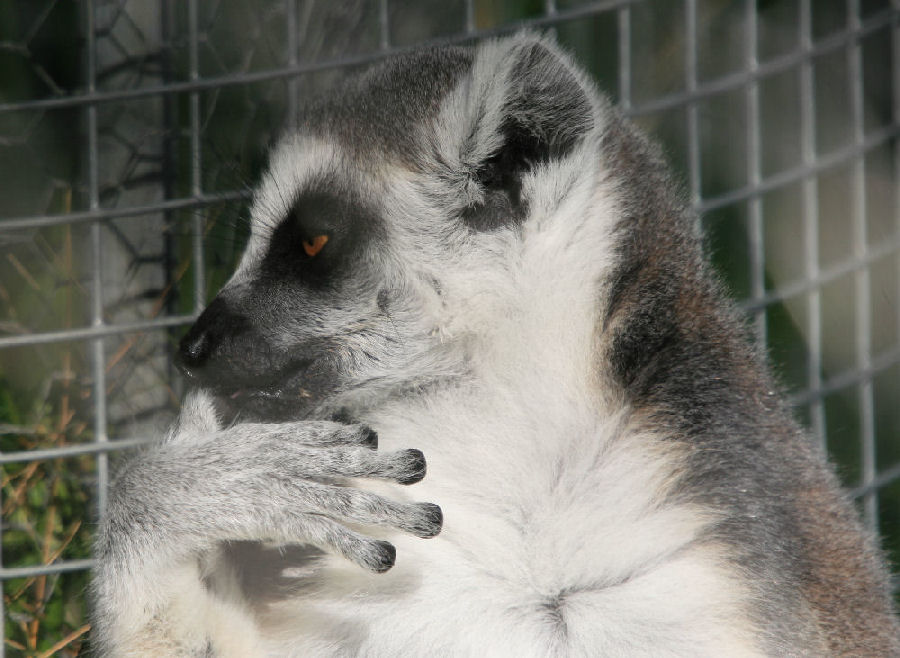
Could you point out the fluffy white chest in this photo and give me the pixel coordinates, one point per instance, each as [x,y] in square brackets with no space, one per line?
[556,541]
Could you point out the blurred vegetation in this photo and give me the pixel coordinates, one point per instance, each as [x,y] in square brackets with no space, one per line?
[44,396]
[46,391]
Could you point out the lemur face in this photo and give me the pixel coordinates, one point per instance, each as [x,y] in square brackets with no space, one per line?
[383,223]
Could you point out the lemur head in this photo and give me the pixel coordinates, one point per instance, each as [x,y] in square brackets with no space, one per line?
[392,229]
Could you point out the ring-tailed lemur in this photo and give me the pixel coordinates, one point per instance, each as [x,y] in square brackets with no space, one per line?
[471,253]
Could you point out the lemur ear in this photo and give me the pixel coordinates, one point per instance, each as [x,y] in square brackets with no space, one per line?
[546,106]
[532,106]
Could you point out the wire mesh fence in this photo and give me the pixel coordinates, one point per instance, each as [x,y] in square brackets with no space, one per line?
[131,131]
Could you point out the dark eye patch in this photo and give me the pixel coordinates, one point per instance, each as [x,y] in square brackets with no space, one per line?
[317,238]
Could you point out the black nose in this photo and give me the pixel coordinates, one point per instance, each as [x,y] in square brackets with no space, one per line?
[213,334]
[194,348]
[193,352]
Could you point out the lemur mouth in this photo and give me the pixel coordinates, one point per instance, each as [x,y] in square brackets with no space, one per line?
[289,394]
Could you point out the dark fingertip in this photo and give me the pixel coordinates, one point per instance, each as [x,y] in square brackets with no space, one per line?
[428,522]
[435,519]
[415,469]
[385,556]
[370,438]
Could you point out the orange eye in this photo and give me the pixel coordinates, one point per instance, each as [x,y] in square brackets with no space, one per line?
[314,246]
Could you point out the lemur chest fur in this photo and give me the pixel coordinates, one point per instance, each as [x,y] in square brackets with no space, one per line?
[516,481]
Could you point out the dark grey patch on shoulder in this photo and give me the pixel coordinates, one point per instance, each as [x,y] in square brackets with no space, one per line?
[377,111]
[680,354]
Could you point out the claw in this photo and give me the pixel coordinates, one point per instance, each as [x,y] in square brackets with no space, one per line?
[385,557]
[430,523]
[416,468]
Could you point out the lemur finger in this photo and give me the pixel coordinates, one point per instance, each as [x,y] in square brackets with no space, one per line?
[354,506]
[408,466]
[403,466]
[371,554]
[319,433]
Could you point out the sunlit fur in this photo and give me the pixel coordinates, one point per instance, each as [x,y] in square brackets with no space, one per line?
[616,474]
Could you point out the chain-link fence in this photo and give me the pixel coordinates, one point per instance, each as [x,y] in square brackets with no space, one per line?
[131,130]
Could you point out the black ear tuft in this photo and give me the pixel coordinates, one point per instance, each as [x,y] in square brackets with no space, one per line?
[545,112]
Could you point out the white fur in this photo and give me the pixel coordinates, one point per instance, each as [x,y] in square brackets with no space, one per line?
[531,520]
